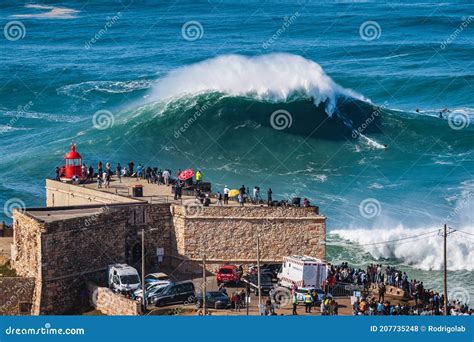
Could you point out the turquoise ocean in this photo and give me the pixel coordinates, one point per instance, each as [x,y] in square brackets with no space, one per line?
[363,107]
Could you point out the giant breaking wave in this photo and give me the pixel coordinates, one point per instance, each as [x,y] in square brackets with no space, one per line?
[274,77]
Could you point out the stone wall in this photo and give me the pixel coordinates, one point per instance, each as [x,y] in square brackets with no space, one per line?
[64,252]
[230,233]
[63,255]
[109,303]
[158,227]
[27,244]
[60,194]
[16,295]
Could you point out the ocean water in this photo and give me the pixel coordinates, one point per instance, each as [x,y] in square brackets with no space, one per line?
[313,99]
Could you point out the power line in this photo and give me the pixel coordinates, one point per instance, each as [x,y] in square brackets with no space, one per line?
[401,239]
[463,232]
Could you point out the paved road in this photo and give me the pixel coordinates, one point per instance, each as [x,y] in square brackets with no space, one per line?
[286,309]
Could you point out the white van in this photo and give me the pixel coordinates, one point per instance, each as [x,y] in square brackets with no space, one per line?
[302,270]
[123,278]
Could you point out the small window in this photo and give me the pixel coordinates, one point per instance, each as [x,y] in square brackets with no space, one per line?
[73,162]
[188,287]
[173,290]
[25,308]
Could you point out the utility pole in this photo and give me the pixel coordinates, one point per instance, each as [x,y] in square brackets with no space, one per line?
[258,275]
[247,297]
[143,271]
[204,284]
[445,275]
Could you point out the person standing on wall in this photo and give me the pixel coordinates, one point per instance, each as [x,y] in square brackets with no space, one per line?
[226,194]
[99,168]
[90,173]
[241,198]
[119,172]
[269,195]
[198,177]
[166,177]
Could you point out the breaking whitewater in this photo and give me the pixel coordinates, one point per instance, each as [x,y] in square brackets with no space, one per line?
[387,179]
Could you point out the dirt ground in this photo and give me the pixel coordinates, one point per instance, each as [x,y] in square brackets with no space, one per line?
[344,304]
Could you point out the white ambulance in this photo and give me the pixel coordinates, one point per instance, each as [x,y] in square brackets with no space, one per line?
[304,271]
[123,278]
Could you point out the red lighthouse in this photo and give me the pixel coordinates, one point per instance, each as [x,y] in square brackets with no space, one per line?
[72,165]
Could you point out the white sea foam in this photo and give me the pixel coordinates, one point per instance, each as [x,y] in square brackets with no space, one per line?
[424,252]
[40,116]
[371,142]
[50,12]
[110,87]
[273,77]
[8,128]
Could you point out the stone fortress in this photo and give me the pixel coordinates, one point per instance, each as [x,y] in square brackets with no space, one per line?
[69,243]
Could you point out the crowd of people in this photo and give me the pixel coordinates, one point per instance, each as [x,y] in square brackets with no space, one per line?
[415,300]
[371,306]
[255,197]
[102,175]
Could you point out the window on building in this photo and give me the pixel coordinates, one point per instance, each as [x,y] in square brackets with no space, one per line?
[24,308]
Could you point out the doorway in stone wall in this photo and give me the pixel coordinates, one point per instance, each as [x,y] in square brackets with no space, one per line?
[137,256]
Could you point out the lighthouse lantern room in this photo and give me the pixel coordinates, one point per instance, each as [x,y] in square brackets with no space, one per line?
[72,164]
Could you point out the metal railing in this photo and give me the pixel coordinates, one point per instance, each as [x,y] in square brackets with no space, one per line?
[344,289]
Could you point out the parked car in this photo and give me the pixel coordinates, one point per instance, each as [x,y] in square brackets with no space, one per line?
[214,299]
[176,293]
[151,291]
[228,274]
[157,278]
[301,293]
[268,273]
[265,283]
[272,268]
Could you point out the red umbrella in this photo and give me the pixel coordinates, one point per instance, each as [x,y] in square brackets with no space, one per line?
[186,174]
